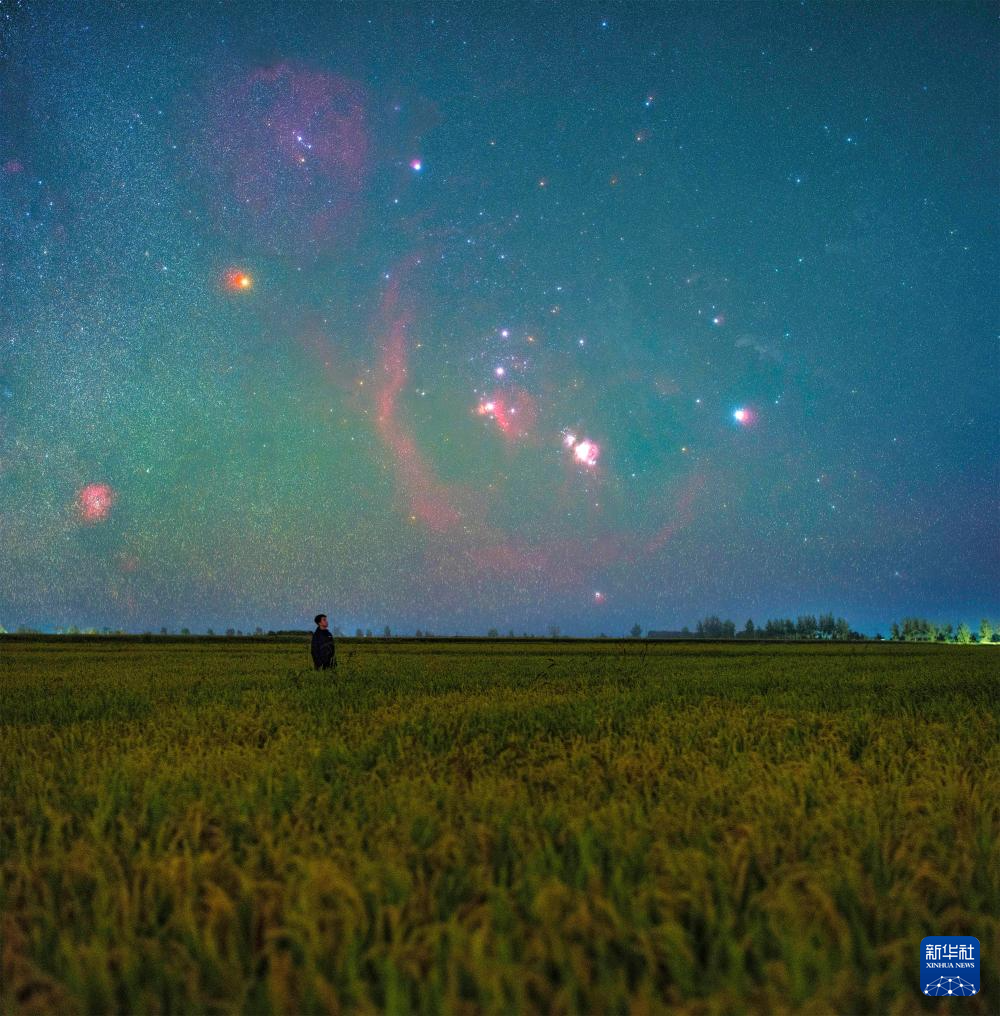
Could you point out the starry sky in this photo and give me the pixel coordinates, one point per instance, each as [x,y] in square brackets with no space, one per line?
[453,316]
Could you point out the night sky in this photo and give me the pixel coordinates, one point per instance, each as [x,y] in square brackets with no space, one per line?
[453,316]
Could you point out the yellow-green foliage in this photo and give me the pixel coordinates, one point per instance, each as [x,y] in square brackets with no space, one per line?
[502,828]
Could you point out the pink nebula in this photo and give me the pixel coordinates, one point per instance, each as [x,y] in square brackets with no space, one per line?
[94,502]
[290,146]
[431,502]
[680,515]
[455,517]
[514,412]
[584,451]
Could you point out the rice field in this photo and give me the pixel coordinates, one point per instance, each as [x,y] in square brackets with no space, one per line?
[196,826]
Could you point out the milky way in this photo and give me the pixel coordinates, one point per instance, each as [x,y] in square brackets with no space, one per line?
[446,318]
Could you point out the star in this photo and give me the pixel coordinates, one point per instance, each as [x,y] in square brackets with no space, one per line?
[238,281]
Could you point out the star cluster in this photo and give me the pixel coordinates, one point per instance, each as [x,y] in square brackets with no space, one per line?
[450,317]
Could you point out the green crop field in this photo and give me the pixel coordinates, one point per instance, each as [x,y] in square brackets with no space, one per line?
[198,826]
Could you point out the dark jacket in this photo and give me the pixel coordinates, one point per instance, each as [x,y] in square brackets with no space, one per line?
[323,649]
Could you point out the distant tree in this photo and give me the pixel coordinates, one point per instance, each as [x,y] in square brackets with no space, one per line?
[685,630]
[239,632]
[894,632]
[419,634]
[258,630]
[985,631]
[338,632]
[841,629]
[806,626]
[492,634]
[749,631]
[827,626]
[230,632]
[386,632]
[358,633]
[964,636]
[163,631]
[368,633]
[185,631]
[715,628]
[510,634]
[945,633]
[636,631]
[209,631]
[553,631]
[72,630]
[917,629]
[603,636]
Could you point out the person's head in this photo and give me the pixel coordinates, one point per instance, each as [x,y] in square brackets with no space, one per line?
[321,621]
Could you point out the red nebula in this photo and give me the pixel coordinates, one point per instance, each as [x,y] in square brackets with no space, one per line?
[13,166]
[94,502]
[291,147]
[683,513]
[451,512]
[431,502]
[514,412]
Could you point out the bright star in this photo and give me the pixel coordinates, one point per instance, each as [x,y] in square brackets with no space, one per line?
[238,281]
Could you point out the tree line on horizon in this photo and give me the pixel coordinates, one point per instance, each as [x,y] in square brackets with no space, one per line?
[919,629]
[809,627]
[806,627]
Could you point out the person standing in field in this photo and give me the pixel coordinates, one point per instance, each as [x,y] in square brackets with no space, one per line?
[324,652]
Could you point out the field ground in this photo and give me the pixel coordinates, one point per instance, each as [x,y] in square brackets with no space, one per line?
[591,827]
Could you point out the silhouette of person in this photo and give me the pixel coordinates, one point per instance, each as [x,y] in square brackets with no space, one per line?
[324,652]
